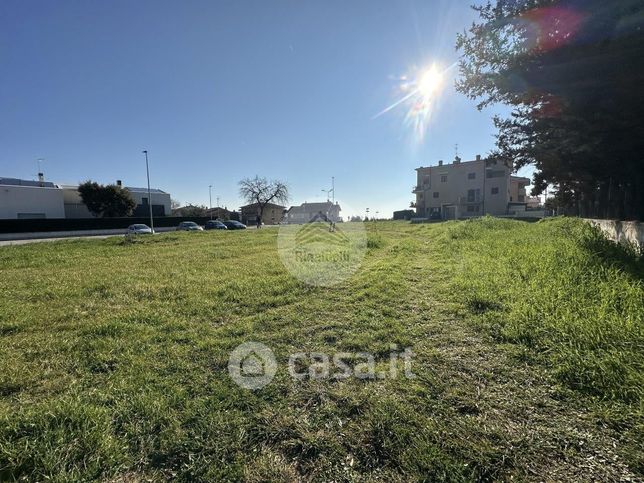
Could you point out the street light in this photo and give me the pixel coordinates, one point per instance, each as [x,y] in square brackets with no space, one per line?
[210,195]
[147,170]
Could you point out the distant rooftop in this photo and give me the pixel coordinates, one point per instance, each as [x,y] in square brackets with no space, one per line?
[309,207]
[26,182]
[49,184]
[143,190]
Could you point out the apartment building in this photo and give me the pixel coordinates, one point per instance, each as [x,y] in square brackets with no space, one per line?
[465,189]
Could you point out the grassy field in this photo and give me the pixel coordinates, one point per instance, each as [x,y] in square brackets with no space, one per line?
[528,342]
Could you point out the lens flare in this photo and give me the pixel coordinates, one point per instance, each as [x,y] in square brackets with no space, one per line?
[419,96]
[429,82]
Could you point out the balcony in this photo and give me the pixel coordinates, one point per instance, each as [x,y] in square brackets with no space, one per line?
[470,200]
[417,189]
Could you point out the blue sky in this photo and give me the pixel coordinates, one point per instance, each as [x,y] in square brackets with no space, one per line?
[221,90]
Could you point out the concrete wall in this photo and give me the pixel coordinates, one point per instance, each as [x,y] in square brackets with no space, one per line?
[31,201]
[622,231]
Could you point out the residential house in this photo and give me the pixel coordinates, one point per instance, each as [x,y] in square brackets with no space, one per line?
[307,212]
[40,199]
[517,189]
[21,198]
[272,215]
[465,189]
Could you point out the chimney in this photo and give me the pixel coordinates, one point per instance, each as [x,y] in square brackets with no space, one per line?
[440,162]
[478,157]
[119,183]
[41,179]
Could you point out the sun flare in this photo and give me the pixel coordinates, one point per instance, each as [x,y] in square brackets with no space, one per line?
[429,82]
[420,90]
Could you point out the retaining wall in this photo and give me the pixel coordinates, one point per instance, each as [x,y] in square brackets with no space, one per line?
[622,231]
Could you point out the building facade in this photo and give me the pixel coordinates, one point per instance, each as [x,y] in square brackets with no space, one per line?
[465,189]
[307,212]
[21,198]
[273,214]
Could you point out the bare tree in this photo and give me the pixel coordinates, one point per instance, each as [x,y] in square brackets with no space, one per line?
[262,192]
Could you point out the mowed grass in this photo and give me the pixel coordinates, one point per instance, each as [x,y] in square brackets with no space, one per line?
[528,342]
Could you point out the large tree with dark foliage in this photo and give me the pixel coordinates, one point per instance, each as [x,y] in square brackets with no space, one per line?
[106,201]
[573,72]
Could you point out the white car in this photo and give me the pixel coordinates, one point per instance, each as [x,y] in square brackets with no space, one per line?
[189,226]
[139,229]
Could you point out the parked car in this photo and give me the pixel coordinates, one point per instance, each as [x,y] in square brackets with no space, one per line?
[139,229]
[189,226]
[234,225]
[215,225]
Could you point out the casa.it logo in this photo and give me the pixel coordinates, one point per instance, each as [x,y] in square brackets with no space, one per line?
[252,365]
[322,252]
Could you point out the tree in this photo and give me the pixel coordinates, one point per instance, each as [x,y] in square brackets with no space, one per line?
[572,73]
[262,192]
[106,201]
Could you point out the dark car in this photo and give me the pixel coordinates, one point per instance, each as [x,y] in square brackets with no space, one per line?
[215,225]
[234,225]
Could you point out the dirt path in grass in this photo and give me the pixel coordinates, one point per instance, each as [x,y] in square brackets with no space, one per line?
[540,431]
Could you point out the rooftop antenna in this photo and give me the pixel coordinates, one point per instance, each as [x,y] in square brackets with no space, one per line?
[41,176]
[456,157]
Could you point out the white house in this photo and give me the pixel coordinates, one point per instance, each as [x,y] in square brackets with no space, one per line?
[20,198]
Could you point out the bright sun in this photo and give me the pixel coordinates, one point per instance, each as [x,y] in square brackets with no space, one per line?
[429,81]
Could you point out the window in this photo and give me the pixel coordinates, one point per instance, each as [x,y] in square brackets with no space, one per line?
[435,194]
[425,180]
[521,198]
[443,178]
[471,175]
[495,173]
[144,201]
[473,208]
[495,191]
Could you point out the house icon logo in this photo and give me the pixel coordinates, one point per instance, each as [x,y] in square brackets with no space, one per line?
[320,230]
[324,251]
[252,365]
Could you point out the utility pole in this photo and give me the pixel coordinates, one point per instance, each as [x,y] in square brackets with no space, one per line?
[217,206]
[147,170]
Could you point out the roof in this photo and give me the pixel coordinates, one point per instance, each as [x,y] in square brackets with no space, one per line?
[26,182]
[144,190]
[312,207]
[252,205]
